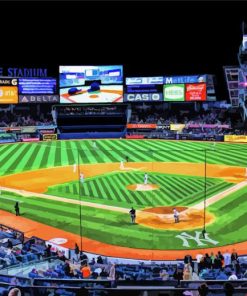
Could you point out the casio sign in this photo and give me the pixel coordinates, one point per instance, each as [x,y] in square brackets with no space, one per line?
[143,97]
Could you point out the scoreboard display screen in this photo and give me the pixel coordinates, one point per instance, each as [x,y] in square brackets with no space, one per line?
[31,86]
[91,84]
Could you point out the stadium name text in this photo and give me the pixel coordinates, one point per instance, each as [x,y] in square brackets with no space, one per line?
[23,72]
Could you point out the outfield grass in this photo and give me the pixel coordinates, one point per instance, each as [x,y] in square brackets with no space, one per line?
[111,189]
[32,156]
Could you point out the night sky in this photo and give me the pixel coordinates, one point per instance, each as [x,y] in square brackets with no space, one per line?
[148,38]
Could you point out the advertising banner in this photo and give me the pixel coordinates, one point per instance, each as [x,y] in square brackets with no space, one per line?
[196,92]
[28,129]
[8,95]
[30,139]
[142,125]
[143,97]
[177,127]
[38,99]
[49,137]
[163,126]
[197,125]
[134,136]
[185,79]
[235,138]
[8,81]
[174,93]
[144,80]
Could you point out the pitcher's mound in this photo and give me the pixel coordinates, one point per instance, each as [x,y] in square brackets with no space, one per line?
[162,218]
[142,187]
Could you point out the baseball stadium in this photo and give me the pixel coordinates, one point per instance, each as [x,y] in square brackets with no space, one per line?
[117,178]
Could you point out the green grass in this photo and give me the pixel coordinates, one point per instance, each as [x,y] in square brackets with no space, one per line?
[115,228]
[111,189]
[33,156]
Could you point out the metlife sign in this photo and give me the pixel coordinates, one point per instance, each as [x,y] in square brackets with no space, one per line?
[185,79]
[174,93]
[142,97]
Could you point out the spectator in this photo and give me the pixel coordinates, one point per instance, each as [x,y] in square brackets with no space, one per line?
[228,289]
[203,290]
[85,271]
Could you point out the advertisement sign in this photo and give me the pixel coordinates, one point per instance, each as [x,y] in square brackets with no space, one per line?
[28,129]
[143,97]
[8,95]
[235,138]
[206,125]
[43,86]
[30,139]
[174,92]
[8,81]
[38,99]
[142,125]
[185,79]
[196,92]
[134,136]
[144,80]
[49,137]
[177,127]
[163,126]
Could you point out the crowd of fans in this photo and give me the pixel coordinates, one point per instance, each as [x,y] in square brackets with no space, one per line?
[8,119]
[218,117]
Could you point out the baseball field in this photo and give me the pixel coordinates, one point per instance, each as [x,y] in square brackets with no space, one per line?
[205,181]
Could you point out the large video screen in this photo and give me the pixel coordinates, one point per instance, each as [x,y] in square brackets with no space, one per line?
[91,84]
[143,89]
[44,86]
[174,92]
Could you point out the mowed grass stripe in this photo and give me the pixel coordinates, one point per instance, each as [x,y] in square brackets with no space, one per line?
[64,153]
[107,189]
[187,184]
[237,157]
[109,154]
[24,157]
[32,157]
[71,159]
[42,159]
[98,189]
[19,155]
[117,186]
[94,151]
[9,158]
[58,153]
[83,157]
[169,187]
[123,152]
[113,189]
[123,194]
